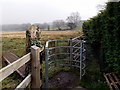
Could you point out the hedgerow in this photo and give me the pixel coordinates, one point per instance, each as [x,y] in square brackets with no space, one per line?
[103,34]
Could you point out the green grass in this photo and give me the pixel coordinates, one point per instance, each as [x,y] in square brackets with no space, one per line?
[93,78]
[78,28]
[11,82]
[14,45]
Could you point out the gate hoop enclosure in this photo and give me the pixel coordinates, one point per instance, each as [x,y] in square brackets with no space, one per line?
[65,52]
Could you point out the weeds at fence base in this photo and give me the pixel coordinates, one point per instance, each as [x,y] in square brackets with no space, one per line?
[93,79]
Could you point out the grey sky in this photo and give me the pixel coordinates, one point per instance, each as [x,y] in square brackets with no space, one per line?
[40,11]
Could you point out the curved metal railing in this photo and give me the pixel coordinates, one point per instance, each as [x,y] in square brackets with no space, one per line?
[65,52]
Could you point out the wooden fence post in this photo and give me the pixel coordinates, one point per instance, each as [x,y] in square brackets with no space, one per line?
[33,35]
[35,67]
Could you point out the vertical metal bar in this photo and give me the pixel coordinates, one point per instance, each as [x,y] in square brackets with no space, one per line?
[46,68]
[71,51]
[55,53]
[81,59]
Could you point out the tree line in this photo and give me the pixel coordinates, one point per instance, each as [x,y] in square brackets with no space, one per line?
[71,22]
[14,27]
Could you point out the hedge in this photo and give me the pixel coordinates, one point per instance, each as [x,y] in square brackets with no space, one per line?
[103,34]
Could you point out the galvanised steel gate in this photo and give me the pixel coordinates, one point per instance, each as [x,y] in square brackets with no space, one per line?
[65,52]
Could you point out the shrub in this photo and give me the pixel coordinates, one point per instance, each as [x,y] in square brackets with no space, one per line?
[103,34]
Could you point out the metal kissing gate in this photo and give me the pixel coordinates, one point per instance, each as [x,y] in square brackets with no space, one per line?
[65,52]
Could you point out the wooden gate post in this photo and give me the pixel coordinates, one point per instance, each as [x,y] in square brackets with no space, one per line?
[35,67]
[33,35]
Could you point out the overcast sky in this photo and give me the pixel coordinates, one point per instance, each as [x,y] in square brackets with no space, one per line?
[40,11]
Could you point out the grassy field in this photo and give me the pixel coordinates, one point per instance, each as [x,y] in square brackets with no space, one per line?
[14,42]
[44,34]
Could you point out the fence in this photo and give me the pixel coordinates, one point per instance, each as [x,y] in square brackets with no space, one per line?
[33,77]
[65,52]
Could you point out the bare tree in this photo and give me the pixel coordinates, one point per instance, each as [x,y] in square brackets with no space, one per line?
[58,24]
[74,20]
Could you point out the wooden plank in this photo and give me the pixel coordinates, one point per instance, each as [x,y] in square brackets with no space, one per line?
[41,49]
[116,78]
[9,69]
[107,73]
[111,77]
[10,58]
[40,83]
[35,67]
[107,81]
[10,55]
[113,81]
[24,83]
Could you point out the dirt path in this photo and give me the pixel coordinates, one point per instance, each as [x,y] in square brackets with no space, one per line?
[64,79]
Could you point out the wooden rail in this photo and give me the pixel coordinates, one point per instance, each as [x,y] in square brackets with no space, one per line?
[33,77]
[24,83]
[112,81]
[10,58]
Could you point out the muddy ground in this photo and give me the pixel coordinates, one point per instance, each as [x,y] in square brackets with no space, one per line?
[63,79]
